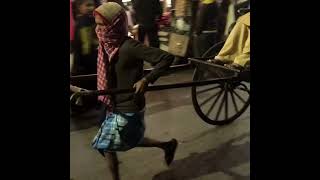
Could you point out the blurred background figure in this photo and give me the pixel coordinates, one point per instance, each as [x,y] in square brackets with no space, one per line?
[205,29]
[116,1]
[130,13]
[165,19]
[71,28]
[146,13]
[84,49]
[71,38]
[85,42]
[222,19]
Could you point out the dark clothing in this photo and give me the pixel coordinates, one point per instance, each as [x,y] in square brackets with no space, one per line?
[207,17]
[146,11]
[206,28]
[127,68]
[202,43]
[194,10]
[151,32]
[222,18]
[97,3]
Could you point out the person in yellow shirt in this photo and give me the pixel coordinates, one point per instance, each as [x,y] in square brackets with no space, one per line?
[236,50]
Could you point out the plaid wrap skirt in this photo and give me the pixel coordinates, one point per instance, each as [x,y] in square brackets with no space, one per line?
[120,132]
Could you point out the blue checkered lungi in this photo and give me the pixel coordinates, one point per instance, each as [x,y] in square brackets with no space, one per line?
[120,132]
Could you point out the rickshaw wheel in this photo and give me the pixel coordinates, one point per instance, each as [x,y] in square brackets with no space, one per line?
[230,97]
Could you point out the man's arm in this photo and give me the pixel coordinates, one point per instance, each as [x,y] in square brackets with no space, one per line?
[160,59]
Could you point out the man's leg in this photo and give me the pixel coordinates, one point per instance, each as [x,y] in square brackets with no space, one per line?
[141,33]
[153,36]
[168,147]
[113,164]
[147,142]
[196,46]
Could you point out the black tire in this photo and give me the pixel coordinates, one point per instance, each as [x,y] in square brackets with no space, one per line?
[229,91]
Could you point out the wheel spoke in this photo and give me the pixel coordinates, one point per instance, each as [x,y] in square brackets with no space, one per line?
[220,108]
[226,103]
[239,97]
[234,101]
[207,100]
[214,103]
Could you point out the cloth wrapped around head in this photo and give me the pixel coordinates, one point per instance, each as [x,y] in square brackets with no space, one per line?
[112,29]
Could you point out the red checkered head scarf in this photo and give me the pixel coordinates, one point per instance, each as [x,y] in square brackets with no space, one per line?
[110,35]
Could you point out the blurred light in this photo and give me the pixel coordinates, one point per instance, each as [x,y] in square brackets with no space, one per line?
[169,3]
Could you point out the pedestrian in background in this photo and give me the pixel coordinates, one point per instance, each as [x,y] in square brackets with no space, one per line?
[205,31]
[146,13]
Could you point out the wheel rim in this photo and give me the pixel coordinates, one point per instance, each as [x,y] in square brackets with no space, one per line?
[222,103]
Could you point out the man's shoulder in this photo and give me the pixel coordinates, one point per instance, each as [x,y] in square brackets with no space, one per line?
[129,42]
[129,45]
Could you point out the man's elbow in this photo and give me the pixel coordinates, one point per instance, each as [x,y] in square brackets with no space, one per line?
[171,59]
